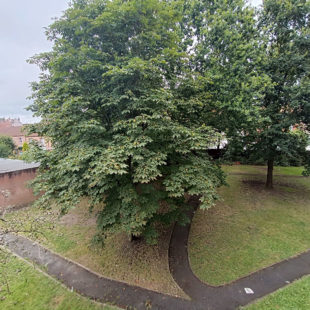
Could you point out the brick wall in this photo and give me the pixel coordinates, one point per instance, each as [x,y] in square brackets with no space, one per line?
[14,191]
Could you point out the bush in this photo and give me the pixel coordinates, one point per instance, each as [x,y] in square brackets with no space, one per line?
[6,146]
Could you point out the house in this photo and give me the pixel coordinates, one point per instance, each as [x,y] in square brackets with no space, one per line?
[14,129]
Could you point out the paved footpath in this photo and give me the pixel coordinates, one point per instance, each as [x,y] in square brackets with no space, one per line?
[89,283]
[232,295]
[203,296]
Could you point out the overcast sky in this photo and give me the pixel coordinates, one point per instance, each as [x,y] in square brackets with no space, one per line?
[22,35]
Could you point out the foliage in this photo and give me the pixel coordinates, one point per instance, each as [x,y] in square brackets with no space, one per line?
[306,172]
[25,147]
[285,108]
[297,157]
[30,151]
[6,146]
[134,93]
[258,66]
[228,53]
[123,109]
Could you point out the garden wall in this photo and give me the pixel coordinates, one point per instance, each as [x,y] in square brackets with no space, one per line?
[14,192]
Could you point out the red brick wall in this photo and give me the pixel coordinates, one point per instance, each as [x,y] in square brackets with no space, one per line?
[13,188]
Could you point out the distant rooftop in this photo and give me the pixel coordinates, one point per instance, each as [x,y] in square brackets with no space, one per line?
[10,122]
[13,128]
[11,165]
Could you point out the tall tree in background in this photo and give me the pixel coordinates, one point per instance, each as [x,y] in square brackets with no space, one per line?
[227,53]
[256,70]
[122,107]
[285,108]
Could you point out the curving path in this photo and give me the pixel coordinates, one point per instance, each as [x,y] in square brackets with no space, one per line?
[232,295]
[203,296]
[88,283]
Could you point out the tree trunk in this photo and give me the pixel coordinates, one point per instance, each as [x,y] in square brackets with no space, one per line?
[133,238]
[269,182]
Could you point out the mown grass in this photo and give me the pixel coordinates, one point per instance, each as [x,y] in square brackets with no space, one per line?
[32,290]
[296,296]
[251,227]
[262,170]
[133,262]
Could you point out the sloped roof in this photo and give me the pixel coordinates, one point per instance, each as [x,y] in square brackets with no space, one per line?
[11,165]
[14,131]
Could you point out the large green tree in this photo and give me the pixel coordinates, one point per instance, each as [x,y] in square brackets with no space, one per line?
[122,106]
[285,108]
[7,146]
[227,52]
[257,65]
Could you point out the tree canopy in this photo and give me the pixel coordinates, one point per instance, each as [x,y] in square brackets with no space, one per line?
[227,53]
[6,146]
[134,93]
[122,107]
[260,62]
[285,108]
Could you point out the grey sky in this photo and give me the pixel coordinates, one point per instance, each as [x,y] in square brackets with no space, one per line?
[21,36]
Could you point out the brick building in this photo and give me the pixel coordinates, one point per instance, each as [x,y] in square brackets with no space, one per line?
[14,178]
[14,129]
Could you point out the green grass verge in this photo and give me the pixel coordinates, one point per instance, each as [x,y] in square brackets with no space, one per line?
[133,262]
[262,170]
[296,296]
[251,227]
[32,290]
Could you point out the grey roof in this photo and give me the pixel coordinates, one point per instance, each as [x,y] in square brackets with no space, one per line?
[10,165]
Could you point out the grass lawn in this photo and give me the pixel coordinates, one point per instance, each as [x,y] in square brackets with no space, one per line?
[32,290]
[251,227]
[250,169]
[132,262]
[296,296]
